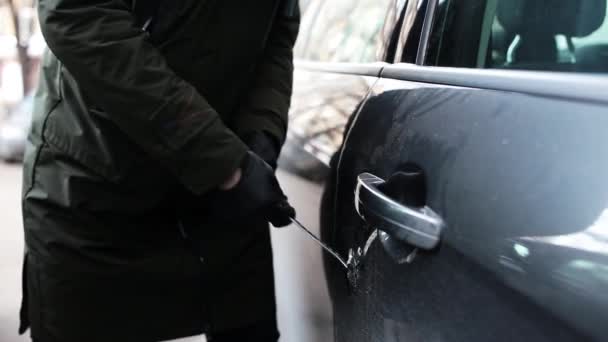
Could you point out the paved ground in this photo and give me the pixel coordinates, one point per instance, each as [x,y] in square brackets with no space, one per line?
[301,293]
[11,252]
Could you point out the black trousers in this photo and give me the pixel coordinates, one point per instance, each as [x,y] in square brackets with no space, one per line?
[262,332]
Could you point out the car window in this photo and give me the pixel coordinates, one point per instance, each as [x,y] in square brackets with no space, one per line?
[563,35]
[352,31]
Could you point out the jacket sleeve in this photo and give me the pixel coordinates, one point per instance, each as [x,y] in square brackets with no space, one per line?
[113,62]
[267,104]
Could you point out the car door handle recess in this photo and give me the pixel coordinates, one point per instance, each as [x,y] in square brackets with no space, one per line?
[418,226]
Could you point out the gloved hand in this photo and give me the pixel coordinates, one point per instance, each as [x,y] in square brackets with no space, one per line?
[257,192]
[265,146]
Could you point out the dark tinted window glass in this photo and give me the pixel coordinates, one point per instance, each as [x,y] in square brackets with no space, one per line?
[560,35]
[345,31]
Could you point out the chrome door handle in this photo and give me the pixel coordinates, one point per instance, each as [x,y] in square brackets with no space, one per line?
[419,227]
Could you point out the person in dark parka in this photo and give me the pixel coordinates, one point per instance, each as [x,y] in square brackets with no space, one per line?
[148,179]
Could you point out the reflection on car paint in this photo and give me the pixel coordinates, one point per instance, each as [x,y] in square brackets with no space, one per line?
[495,168]
[322,105]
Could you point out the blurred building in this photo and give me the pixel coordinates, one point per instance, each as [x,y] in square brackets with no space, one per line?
[21,46]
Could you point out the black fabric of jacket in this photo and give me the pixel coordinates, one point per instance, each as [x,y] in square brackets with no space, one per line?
[130,129]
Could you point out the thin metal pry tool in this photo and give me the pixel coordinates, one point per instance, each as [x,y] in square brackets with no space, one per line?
[318,241]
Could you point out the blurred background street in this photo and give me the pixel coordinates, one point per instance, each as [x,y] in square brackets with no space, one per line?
[21,46]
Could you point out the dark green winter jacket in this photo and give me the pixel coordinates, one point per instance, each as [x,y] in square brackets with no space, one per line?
[135,119]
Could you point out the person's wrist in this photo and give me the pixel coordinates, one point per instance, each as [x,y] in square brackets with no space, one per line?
[232,181]
[264,145]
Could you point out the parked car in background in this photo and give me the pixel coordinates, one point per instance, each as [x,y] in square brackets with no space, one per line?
[459,150]
[14,130]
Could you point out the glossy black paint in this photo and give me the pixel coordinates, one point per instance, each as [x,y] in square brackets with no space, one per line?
[515,177]
[325,99]
[513,163]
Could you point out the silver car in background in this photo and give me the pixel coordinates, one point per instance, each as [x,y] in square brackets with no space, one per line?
[13,131]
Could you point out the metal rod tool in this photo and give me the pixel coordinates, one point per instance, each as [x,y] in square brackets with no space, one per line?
[318,241]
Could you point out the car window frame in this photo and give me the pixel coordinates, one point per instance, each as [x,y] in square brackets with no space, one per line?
[570,86]
[407,26]
[427,28]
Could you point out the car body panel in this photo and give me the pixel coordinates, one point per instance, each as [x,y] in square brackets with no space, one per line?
[513,167]
[520,183]
[327,95]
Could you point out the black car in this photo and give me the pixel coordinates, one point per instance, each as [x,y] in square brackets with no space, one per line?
[456,151]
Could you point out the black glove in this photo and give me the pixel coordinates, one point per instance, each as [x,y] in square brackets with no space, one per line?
[258,192]
[265,146]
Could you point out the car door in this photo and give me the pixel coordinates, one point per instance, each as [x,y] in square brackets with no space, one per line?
[482,171]
[338,60]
